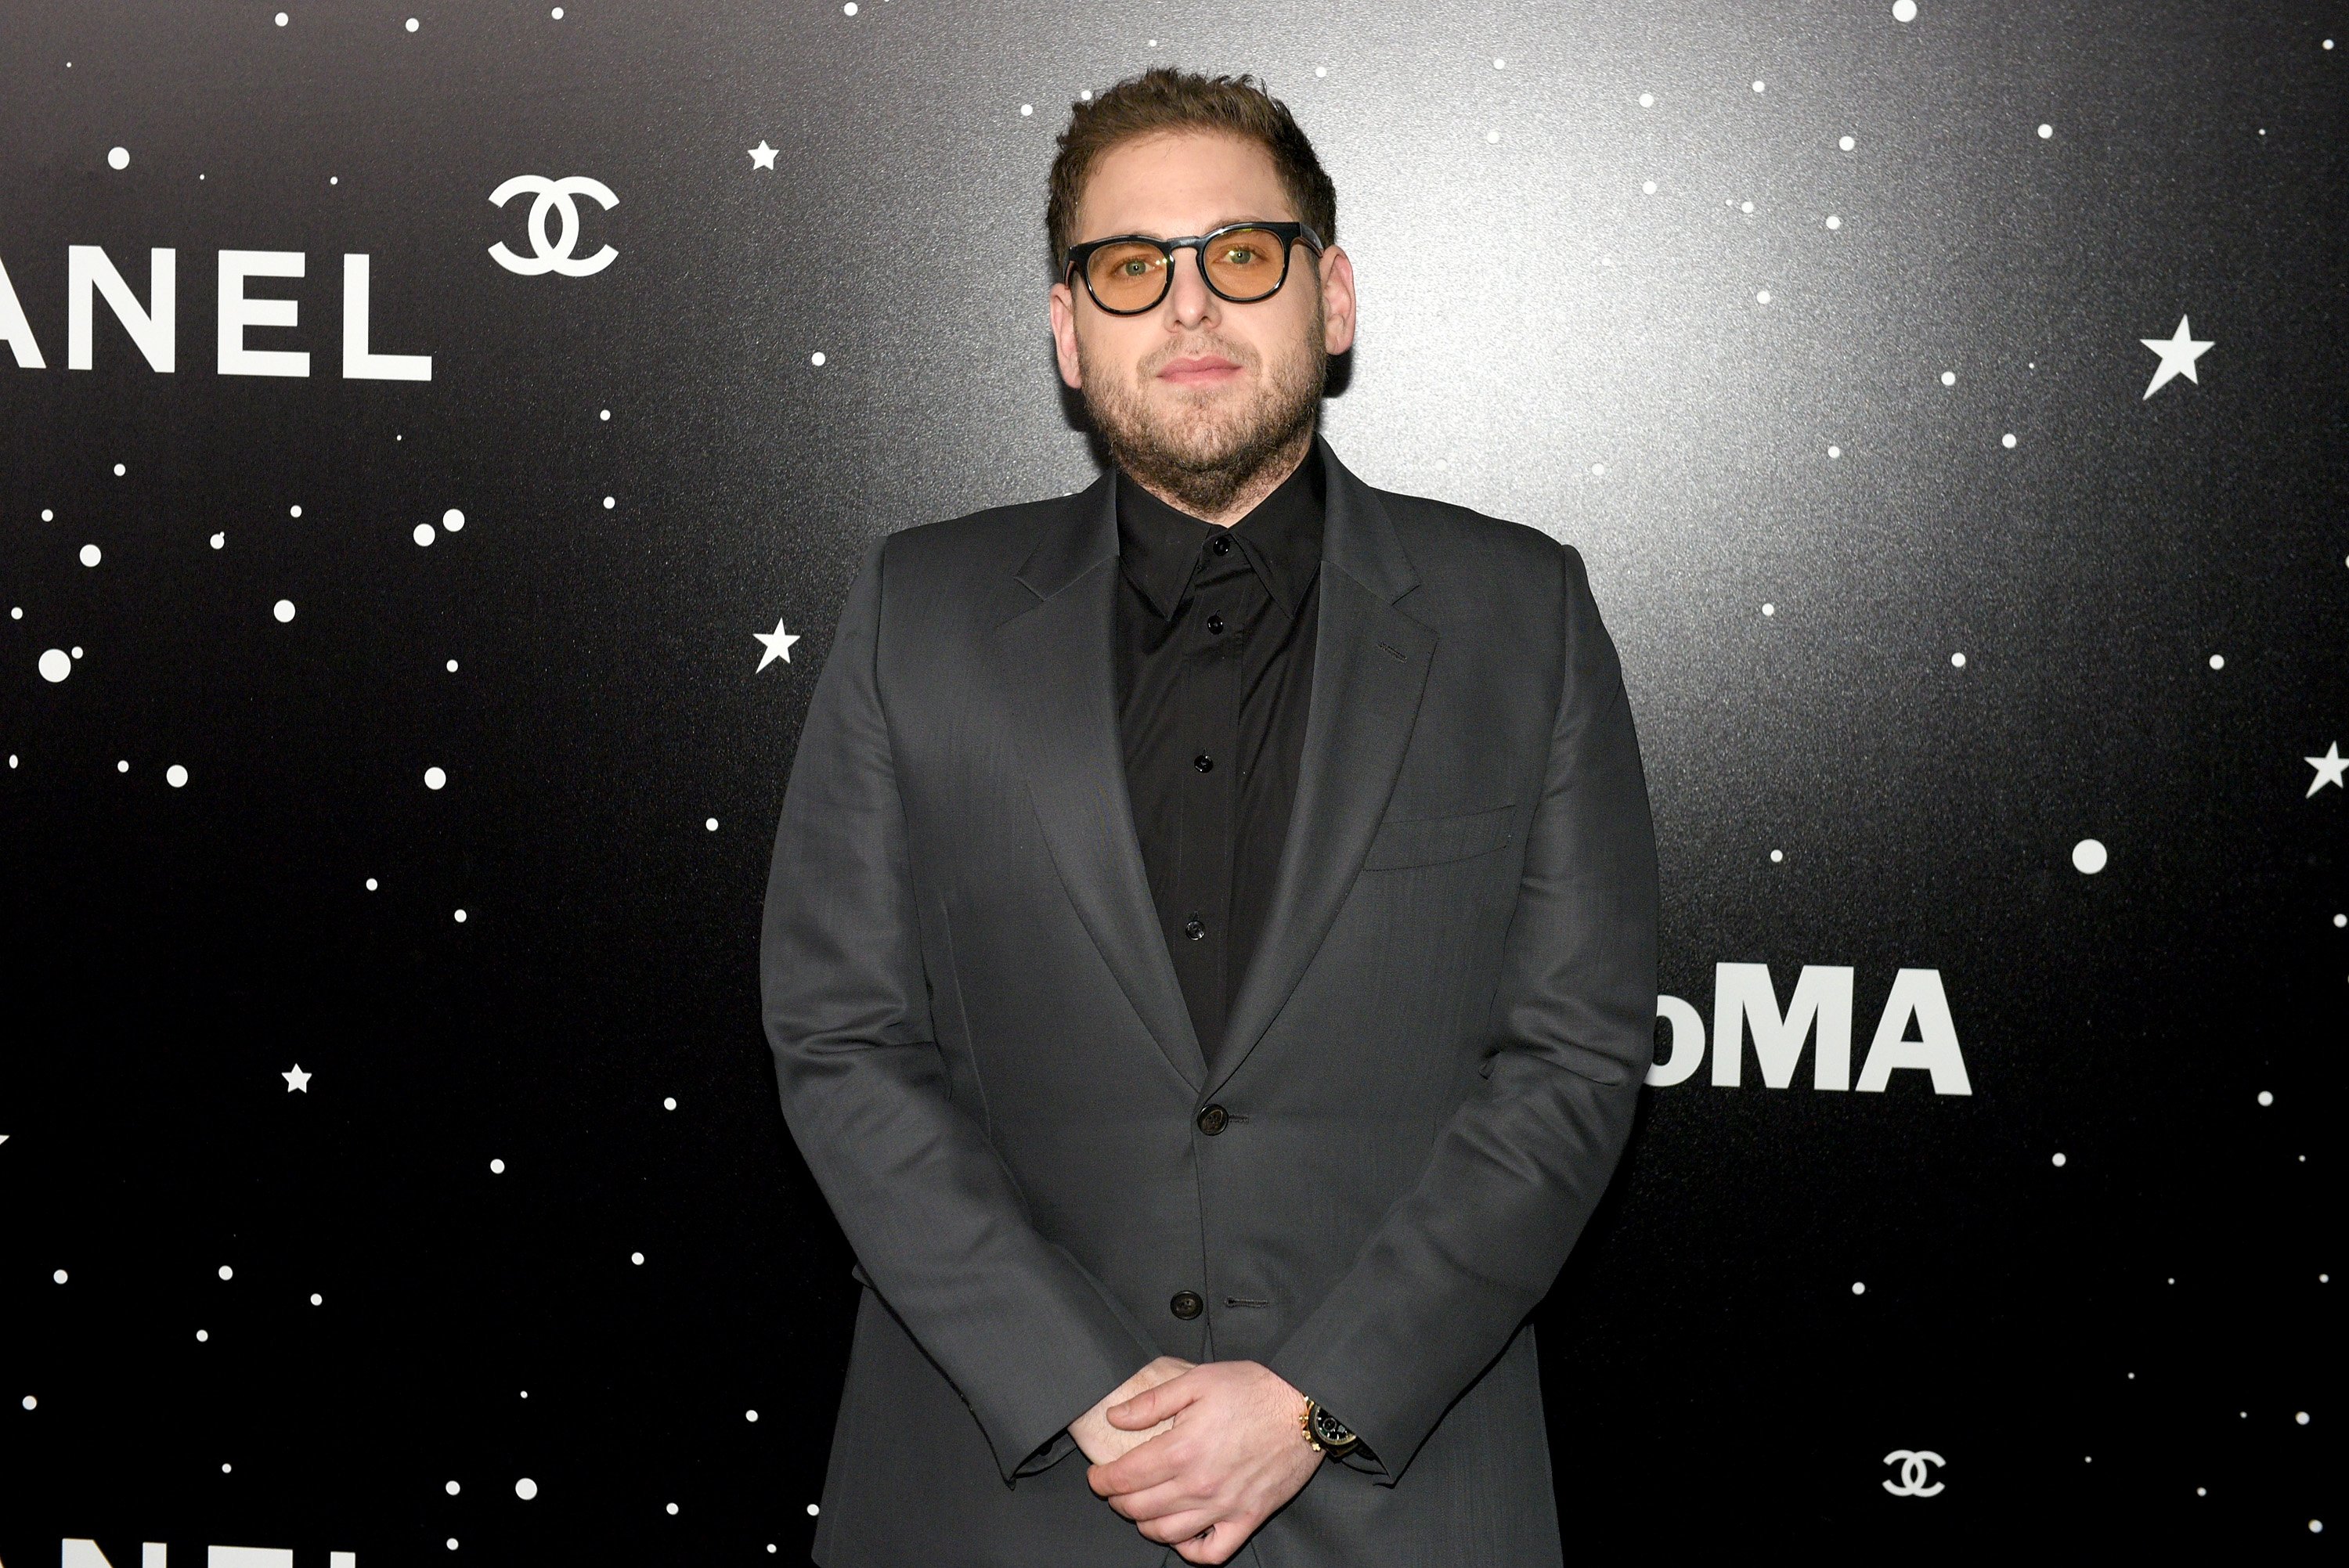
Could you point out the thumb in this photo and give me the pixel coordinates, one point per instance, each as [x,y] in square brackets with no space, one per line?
[1151,1406]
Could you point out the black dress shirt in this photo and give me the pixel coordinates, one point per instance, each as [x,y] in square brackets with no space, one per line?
[1213,652]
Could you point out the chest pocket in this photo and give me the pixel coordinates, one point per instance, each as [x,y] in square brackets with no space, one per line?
[1432,840]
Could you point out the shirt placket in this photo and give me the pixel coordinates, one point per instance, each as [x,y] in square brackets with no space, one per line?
[1210,708]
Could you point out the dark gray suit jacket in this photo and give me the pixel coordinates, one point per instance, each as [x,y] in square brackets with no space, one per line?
[1428,1071]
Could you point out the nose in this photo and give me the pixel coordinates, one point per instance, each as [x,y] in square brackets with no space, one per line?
[1187,294]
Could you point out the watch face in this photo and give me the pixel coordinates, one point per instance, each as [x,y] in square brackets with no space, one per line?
[1332,1431]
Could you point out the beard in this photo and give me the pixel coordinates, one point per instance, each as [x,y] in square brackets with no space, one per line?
[1209,447]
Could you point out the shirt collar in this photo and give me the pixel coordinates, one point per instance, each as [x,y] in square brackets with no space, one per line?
[1159,545]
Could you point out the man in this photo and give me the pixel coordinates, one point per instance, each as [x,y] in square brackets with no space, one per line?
[1209,953]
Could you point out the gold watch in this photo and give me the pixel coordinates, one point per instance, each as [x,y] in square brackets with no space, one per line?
[1325,1433]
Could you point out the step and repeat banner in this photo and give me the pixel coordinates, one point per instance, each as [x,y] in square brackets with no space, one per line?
[435,442]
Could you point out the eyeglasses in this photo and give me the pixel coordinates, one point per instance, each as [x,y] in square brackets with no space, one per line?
[1243,262]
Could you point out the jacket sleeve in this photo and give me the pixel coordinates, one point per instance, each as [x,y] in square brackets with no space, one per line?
[1462,1258]
[1026,1336]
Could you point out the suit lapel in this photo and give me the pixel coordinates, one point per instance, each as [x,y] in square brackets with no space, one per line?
[1370,666]
[1055,664]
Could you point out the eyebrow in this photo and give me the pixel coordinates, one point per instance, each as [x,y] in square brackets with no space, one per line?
[1224,223]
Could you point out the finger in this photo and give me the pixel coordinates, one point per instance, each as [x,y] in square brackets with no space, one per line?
[1175,1529]
[1180,1495]
[1153,1406]
[1214,1546]
[1145,1466]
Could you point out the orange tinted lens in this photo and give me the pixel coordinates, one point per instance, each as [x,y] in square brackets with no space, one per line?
[1246,263]
[1127,276]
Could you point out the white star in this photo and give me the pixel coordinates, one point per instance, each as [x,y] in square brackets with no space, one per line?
[779,645]
[2178,356]
[2330,769]
[762,156]
[295,1080]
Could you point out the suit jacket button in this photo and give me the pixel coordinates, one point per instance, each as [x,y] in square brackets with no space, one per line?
[1187,1305]
[1212,1119]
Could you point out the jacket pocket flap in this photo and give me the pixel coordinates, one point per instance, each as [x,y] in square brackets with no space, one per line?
[1431,841]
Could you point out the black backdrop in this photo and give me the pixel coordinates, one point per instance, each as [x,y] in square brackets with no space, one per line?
[1764,378]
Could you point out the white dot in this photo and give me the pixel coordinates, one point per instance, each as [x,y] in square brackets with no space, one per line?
[283,609]
[1758,87]
[202,1337]
[1833,221]
[2217,661]
[750,1415]
[280,18]
[2007,440]
[123,767]
[412,24]
[118,156]
[424,533]
[370,884]
[175,776]
[1745,206]
[607,414]
[460,917]
[525,1489]
[2045,131]
[2088,856]
[1761,296]
[1499,64]
[2201,1491]
[47,516]
[1027,109]
[1904,10]
[1647,100]
[1319,71]
[30,1402]
[118,471]
[76,652]
[711,823]
[227,1469]
[453,1488]
[1835,451]
[317,1300]
[434,777]
[1959,660]
[636,1258]
[813,1509]
[1769,608]
[226,1272]
[1846,143]
[1492,136]
[2059,1160]
[59,1277]
[2266,1098]
[2317,1526]
[55,666]
[2340,920]
[556,13]
[1649,188]
[292,511]
[2300,1418]
[1859,1287]
[1776,856]
[497,1167]
[451,1542]
[847,10]
[1599,471]
[672,1507]
[452,519]
[669,1103]
[1949,379]
[219,539]
[452,666]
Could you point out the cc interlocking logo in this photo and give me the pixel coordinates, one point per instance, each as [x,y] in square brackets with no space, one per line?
[1912,1463]
[554,196]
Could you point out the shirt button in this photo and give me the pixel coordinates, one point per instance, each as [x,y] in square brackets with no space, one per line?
[1204,763]
[1187,1305]
[1194,926]
[1215,625]
[1213,1120]
[1222,547]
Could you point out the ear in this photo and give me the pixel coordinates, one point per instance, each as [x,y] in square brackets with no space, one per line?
[1063,308]
[1337,270]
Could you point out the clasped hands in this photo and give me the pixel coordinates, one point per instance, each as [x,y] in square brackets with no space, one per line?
[1197,1456]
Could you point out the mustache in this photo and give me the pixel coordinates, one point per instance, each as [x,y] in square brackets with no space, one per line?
[1159,361]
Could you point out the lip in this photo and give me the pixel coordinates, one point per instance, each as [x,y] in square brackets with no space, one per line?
[1199,370]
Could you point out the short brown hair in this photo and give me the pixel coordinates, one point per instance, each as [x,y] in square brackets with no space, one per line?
[1163,99]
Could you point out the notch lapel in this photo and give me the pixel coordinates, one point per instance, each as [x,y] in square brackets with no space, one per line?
[1053,658]
[1370,668]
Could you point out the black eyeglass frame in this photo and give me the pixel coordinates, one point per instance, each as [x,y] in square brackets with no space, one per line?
[1289,232]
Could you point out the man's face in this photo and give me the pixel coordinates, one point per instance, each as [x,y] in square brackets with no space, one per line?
[1198,396]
